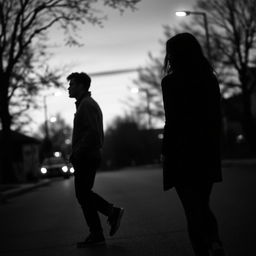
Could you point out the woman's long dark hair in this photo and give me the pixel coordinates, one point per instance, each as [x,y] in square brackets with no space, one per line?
[184,54]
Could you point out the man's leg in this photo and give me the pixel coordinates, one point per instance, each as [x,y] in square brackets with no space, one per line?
[91,202]
[113,213]
[85,198]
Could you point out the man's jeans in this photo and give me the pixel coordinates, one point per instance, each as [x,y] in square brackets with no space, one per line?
[91,203]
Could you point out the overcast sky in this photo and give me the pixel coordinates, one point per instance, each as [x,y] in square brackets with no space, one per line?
[123,42]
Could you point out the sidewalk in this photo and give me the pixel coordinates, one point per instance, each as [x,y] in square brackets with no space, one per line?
[247,162]
[11,190]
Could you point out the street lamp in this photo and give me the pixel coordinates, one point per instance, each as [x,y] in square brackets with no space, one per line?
[53,119]
[186,13]
[47,144]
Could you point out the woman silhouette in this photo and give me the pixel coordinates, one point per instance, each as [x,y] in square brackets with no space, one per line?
[191,144]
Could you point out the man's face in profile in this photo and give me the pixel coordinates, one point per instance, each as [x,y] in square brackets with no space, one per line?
[74,89]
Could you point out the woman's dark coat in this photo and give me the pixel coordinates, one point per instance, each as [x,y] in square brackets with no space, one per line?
[191,144]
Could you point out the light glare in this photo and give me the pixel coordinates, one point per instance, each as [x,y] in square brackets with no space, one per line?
[64,168]
[160,136]
[181,14]
[57,154]
[135,90]
[43,170]
[67,141]
[53,119]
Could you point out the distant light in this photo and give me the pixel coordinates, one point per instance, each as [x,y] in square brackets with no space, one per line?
[64,168]
[43,170]
[57,154]
[181,13]
[53,119]
[57,94]
[240,138]
[68,141]
[72,170]
[135,90]
[160,136]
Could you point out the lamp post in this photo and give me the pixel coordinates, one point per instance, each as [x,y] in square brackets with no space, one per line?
[46,119]
[186,13]
[47,143]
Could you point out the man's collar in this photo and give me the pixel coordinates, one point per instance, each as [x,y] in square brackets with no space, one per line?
[83,95]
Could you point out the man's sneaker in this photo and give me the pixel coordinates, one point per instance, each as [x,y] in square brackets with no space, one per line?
[92,240]
[114,220]
[217,250]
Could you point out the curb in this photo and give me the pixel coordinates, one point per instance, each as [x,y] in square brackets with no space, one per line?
[238,163]
[23,189]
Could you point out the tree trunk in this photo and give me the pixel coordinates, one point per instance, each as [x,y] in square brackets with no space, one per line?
[6,142]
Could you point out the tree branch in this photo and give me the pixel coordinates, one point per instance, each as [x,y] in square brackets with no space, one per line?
[13,39]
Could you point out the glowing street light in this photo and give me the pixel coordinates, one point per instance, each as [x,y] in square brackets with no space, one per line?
[186,13]
[57,154]
[181,13]
[135,90]
[53,119]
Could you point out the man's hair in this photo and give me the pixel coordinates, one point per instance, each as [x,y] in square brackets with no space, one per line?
[81,78]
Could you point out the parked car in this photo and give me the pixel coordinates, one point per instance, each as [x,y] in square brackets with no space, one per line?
[56,166]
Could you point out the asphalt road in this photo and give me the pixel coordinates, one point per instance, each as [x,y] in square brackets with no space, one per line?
[48,221]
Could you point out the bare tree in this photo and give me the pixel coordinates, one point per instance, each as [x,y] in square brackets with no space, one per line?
[232,26]
[232,29]
[30,76]
[23,26]
[148,82]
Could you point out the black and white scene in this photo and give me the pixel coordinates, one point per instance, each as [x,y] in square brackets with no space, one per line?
[127,127]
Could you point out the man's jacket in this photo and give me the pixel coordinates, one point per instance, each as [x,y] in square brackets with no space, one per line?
[88,132]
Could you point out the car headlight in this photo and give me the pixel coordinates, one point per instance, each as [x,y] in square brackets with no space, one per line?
[72,170]
[64,168]
[43,170]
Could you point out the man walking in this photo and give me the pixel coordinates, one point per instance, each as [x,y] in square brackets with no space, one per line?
[87,141]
